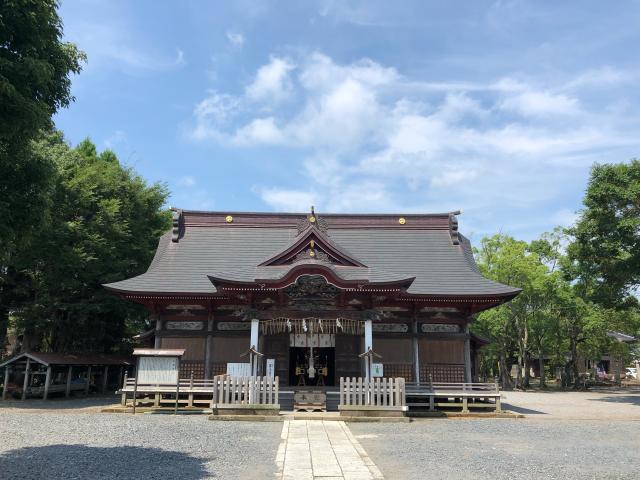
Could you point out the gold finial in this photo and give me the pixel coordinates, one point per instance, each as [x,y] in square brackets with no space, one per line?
[228,219]
[312,217]
[402,221]
[313,244]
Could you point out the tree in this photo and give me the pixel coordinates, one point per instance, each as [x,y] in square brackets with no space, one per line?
[103,225]
[533,321]
[35,82]
[605,252]
[510,261]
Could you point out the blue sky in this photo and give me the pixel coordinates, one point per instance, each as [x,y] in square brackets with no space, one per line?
[498,108]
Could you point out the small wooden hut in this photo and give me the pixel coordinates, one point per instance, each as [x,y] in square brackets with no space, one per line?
[38,374]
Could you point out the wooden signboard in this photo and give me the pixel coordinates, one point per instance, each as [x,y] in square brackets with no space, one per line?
[239,369]
[158,370]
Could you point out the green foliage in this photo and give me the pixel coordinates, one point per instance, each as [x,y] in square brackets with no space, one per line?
[103,225]
[549,319]
[605,253]
[35,82]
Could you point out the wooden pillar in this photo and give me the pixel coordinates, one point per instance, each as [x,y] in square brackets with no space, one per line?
[25,384]
[6,383]
[47,381]
[467,354]
[124,394]
[158,341]
[105,378]
[208,347]
[88,383]
[69,373]
[368,345]
[416,353]
[255,329]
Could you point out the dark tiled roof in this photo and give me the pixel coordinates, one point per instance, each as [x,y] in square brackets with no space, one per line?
[52,358]
[422,248]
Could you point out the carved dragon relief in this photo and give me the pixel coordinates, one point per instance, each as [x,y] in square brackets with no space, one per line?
[312,290]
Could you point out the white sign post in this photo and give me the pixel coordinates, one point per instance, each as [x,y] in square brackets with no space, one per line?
[271,367]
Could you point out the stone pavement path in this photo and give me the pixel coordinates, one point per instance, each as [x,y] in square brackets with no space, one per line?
[317,449]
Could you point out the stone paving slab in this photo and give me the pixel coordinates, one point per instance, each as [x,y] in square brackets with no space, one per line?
[317,449]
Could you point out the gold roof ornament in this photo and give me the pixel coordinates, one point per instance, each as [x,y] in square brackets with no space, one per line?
[228,219]
[402,220]
[312,217]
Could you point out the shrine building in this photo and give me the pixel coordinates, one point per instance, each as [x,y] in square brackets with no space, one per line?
[315,297]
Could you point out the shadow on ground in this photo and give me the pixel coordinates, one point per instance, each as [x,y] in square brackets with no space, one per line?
[630,399]
[525,411]
[60,403]
[82,461]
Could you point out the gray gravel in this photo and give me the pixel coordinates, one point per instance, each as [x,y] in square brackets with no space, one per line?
[47,445]
[503,449]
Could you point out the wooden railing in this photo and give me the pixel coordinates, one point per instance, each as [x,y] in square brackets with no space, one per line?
[377,392]
[220,390]
[245,390]
[454,394]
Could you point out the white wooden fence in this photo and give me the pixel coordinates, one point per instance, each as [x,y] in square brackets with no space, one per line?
[245,390]
[219,390]
[378,392]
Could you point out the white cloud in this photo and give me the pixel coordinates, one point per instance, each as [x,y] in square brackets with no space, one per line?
[259,130]
[119,137]
[112,44]
[603,76]
[187,181]
[372,139]
[289,200]
[272,81]
[236,39]
[212,114]
[540,103]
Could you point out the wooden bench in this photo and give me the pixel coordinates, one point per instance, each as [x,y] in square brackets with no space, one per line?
[463,394]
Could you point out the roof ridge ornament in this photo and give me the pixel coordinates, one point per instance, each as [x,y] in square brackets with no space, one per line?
[312,220]
[453,228]
[177,225]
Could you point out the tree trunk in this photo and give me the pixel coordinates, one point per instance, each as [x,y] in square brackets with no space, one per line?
[505,376]
[543,382]
[527,370]
[4,325]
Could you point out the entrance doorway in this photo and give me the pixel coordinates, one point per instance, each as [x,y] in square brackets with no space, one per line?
[323,365]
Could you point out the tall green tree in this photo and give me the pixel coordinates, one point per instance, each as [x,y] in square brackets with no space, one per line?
[605,253]
[35,82]
[103,225]
[36,67]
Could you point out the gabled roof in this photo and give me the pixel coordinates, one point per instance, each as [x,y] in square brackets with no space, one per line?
[244,247]
[309,243]
[52,358]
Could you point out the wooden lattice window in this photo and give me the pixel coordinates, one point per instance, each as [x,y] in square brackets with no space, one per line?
[196,367]
[394,370]
[442,372]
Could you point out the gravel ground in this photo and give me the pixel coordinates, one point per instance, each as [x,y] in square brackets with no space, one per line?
[79,445]
[503,449]
[606,404]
